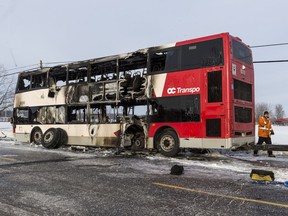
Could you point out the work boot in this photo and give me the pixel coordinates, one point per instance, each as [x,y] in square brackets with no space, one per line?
[271,155]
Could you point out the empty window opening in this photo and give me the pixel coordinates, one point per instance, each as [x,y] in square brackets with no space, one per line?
[77,114]
[165,60]
[57,77]
[24,82]
[22,115]
[39,80]
[104,71]
[77,74]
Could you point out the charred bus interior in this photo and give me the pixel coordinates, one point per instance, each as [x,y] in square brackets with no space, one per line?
[102,91]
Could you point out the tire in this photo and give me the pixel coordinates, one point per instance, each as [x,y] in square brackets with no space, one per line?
[50,138]
[138,143]
[63,138]
[168,143]
[36,135]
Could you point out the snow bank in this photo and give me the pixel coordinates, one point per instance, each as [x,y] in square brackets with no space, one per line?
[281,135]
[6,130]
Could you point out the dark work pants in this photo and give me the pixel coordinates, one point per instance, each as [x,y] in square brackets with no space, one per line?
[267,141]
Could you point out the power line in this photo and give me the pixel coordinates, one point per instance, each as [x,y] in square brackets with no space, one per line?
[269,45]
[63,62]
[270,61]
[35,66]
[17,68]
[10,74]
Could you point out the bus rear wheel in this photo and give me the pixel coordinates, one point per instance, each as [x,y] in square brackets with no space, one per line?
[168,143]
[51,138]
[36,135]
[63,138]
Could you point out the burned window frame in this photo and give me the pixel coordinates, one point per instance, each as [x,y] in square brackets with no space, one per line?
[57,77]
[79,117]
[104,70]
[119,78]
[39,80]
[19,118]
[24,82]
[32,81]
[78,74]
[163,60]
[42,115]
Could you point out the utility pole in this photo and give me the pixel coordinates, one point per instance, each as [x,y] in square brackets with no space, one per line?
[13,57]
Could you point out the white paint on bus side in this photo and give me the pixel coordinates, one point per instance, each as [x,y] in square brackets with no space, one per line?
[158,83]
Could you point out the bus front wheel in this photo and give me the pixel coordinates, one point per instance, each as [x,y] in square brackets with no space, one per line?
[168,143]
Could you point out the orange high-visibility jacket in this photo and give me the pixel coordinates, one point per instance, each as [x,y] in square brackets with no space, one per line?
[264,127]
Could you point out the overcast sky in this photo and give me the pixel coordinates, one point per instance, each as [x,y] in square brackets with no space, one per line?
[67,30]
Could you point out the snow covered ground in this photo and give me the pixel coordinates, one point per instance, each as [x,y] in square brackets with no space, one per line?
[281,135]
[240,163]
[5,129]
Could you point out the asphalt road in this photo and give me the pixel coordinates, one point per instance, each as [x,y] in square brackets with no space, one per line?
[36,181]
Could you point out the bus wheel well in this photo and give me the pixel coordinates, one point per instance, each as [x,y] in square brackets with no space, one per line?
[134,129]
[138,137]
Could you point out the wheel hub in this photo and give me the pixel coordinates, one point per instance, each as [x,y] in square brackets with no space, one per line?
[48,137]
[167,143]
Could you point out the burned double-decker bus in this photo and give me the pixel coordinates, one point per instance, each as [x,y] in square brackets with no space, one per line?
[196,93]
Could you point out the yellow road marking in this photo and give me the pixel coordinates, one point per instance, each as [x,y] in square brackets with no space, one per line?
[220,195]
[7,159]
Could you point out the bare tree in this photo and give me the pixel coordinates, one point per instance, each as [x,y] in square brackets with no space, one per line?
[261,108]
[6,90]
[279,111]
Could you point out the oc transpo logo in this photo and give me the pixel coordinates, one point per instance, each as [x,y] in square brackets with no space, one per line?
[179,90]
[171,90]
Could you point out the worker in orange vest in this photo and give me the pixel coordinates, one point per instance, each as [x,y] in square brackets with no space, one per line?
[264,132]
